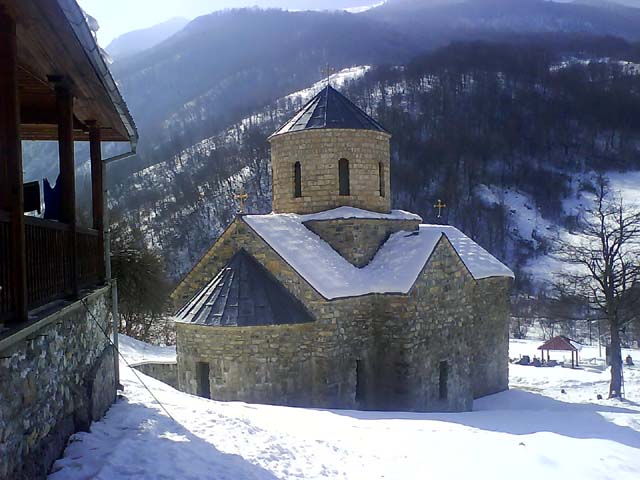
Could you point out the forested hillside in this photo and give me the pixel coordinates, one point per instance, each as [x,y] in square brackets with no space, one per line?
[223,66]
[484,126]
[133,42]
[506,130]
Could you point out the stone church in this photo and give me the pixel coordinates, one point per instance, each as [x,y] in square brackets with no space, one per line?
[336,301]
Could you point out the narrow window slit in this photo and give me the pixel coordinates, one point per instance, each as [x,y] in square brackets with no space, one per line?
[297,180]
[343,174]
[444,380]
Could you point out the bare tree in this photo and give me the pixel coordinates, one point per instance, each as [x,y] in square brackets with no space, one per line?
[142,286]
[605,268]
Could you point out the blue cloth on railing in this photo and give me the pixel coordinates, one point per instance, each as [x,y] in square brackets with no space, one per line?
[51,199]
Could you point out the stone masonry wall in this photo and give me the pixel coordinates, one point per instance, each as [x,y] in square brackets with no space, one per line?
[358,239]
[54,382]
[319,152]
[337,338]
[165,372]
[298,365]
[253,364]
[415,333]
[490,361]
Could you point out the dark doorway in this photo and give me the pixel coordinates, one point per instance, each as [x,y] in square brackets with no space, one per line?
[202,374]
[360,383]
[444,379]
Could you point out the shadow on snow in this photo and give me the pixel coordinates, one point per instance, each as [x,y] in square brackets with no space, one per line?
[520,412]
[143,443]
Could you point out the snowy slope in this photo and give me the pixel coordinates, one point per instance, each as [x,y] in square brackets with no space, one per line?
[137,352]
[527,225]
[531,432]
[162,214]
[526,222]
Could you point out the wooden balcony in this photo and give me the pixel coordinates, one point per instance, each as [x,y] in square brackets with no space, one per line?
[54,271]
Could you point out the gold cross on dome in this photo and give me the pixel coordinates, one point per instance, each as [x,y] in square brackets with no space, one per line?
[440,206]
[328,71]
[242,197]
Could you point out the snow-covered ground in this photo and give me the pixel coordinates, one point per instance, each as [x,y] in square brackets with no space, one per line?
[532,431]
[137,352]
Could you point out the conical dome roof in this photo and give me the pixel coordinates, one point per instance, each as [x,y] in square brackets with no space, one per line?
[330,109]
[243,294]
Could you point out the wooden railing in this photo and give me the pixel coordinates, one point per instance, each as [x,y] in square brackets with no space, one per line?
[6,299]
[90,257]
[51,261]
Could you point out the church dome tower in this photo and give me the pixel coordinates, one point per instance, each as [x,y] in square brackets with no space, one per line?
[330,154]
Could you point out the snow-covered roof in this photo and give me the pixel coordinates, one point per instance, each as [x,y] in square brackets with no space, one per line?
[395,267]
[352,212]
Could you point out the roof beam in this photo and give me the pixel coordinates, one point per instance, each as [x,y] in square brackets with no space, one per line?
[32,115]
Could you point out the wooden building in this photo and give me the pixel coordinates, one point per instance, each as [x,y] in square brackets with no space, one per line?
[57,363]
[54,85]
[561,344]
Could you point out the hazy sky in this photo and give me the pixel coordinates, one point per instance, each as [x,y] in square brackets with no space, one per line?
[120,16]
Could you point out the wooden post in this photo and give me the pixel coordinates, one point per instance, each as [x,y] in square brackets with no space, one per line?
[64,102]
[11,193]
[571,358]
[97,189]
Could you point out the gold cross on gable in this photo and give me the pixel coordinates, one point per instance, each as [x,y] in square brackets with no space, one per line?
[328,71]
[242,197]
[440,206]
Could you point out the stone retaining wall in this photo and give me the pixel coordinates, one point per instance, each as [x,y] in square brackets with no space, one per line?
[165,372]
[54,382]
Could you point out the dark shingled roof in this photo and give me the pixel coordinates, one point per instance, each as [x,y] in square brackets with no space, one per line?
[243,294]
[559,343]
[330,109]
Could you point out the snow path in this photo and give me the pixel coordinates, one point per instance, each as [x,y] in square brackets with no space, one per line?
[530,432]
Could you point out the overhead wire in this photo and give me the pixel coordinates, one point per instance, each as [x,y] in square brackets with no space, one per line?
[155,398]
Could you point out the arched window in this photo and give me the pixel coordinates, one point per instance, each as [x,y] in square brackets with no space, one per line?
[343,174]
[381,175]
[297,180]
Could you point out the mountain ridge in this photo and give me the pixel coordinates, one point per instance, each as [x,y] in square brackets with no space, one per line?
[136,41]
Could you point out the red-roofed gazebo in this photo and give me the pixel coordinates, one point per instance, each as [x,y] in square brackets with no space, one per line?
[561,343]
